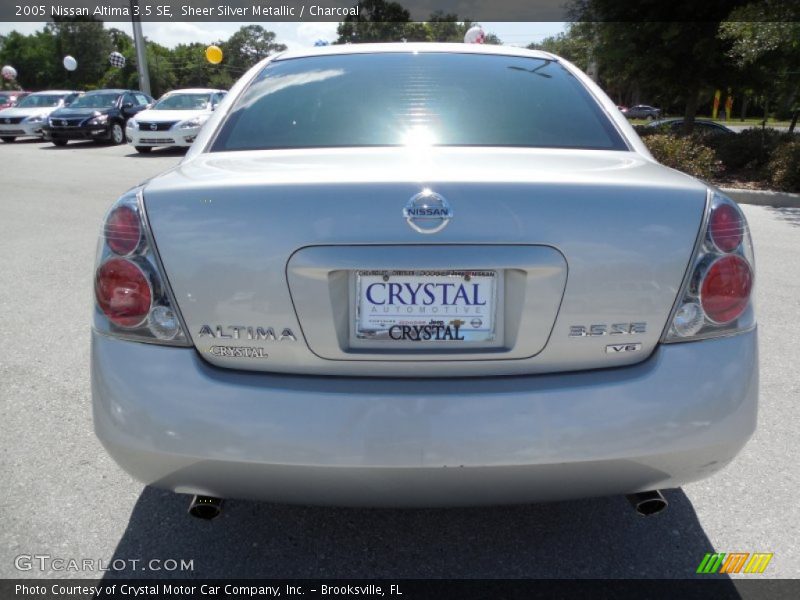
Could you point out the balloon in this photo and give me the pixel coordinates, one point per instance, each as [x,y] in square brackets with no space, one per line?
[474,35]
[214,55]
[116,59]
[70,64]
[9,72]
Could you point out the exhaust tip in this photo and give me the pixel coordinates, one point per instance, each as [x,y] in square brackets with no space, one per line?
[649,503]
[205,507]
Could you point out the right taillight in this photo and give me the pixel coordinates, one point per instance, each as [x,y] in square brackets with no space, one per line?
[132,297]
[716,298]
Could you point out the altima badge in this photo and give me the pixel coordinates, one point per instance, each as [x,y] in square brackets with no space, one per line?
[427,212]
[237,332]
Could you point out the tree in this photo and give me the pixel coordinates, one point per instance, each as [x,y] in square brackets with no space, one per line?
[575,44]
[677,61]
[33,56]
[377,21]
[88,42]
[765,43]
[115,77]
[382,21]
[249,45]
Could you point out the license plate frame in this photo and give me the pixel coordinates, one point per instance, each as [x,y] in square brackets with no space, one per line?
[471,322]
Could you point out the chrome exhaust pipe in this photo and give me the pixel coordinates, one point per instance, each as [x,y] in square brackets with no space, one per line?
[205,507]
[649,503]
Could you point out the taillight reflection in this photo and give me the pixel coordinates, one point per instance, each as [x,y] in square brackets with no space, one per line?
[726,287]
[123,230]
[123,292]
[726,228]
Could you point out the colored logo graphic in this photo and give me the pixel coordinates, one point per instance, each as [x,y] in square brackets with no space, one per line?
[734,562]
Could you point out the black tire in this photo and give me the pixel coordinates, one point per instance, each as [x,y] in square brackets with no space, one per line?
[143,149]
[8,139]
[60,143]
[650,117]
[116,134]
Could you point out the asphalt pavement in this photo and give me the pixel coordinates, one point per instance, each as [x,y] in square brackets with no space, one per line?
[63,497]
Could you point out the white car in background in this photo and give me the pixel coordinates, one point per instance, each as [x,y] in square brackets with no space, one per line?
[27,117]
[174,120]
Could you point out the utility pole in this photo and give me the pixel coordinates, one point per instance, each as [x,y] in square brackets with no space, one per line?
[141,53]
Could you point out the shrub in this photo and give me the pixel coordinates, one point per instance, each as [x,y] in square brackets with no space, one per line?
[687,154]
[645,131]
[784,167]
[751,149]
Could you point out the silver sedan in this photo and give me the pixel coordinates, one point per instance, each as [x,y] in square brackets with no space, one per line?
[422,274]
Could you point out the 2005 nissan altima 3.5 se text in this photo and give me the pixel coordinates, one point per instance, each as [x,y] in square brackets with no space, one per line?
[420,275]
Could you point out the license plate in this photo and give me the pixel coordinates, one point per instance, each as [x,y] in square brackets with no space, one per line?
[426,306]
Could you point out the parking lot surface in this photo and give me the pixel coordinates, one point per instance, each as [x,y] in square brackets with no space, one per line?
[62,495]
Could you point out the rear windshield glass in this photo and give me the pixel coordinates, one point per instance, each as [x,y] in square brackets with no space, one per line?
[184,102]
[40,100]
[396,99]
[96,100]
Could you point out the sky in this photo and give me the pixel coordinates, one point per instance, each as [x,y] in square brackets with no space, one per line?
[294,35]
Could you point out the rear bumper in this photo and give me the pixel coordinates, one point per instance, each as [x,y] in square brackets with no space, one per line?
[172,420]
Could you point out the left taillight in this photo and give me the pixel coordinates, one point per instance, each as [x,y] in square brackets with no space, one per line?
[132,296]
[716,298]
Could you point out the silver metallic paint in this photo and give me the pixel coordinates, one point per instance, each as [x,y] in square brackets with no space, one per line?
[172,420]
[226,225]
[418,432]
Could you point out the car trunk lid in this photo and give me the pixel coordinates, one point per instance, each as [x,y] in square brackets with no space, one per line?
[268,253]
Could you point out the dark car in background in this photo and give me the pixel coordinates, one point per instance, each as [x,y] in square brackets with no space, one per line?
[642,111]
[100,115]
[701,126]
[10,98]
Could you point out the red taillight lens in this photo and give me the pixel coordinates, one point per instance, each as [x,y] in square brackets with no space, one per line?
[123,292]
[123,230]
[726,228]
[726,288]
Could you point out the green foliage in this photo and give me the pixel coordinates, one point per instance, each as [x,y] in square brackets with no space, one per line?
[89,43]
[248,46]
[37,58]
[762,28]
[751,149]
[784,166]
[386,21]
[377,21]
[684,153]
[763,155]
[34,56]
[765,45]
[575,44]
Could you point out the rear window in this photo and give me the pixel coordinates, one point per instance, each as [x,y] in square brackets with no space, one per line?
[396,99]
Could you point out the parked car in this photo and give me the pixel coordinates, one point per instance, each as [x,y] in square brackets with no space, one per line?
[362,298]
[701,126]
[27,118]
[99,115]
[642,111]
[174,120]
[10,98]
